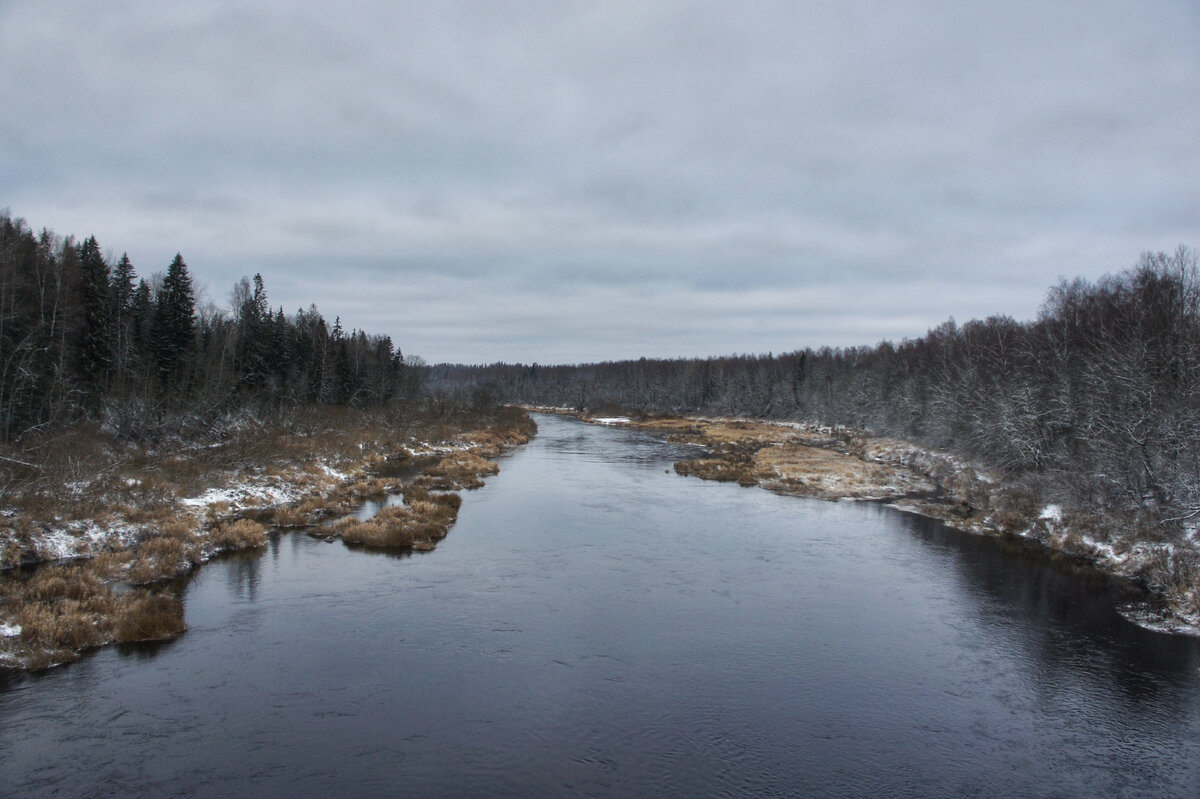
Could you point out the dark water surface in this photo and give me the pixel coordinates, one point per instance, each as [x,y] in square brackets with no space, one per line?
[595,625]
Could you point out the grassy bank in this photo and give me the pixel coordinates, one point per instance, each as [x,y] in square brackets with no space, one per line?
[837,463]
[109,525]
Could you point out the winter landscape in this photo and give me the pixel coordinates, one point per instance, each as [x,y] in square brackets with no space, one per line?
[600,398]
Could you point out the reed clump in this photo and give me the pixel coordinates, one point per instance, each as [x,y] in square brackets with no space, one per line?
[420,523]
[288,516]
[63,610]
[726,470]
[174,552]
[145,616]
[462,470]
[509,427]
[238,534]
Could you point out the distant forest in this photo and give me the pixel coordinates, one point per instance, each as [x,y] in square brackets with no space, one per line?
[85,339]
[1098,398]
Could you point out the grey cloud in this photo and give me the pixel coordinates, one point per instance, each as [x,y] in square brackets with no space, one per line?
[556,166]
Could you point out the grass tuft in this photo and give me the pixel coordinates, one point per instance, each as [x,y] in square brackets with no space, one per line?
[420,523]
[172,553]
[238,534]
[143,616]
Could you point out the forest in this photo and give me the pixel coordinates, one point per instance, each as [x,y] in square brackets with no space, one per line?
[1096,401]
[83,339]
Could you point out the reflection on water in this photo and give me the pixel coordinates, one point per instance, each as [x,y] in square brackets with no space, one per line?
[242,571]
[597,625]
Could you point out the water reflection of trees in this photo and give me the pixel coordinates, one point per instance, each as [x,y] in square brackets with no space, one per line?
[1064,616]
[244,574]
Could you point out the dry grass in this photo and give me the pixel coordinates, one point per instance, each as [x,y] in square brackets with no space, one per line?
[727,470]
[510,428]
[420,523]
[145,616]
[288,516]
[782,458]
[63,610]
[238,534]
[174,552]
[828,474]
[462,470]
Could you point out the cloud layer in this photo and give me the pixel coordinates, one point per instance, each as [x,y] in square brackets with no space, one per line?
[568,181]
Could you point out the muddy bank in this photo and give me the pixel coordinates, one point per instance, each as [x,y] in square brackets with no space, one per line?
[841,464]
[111,576]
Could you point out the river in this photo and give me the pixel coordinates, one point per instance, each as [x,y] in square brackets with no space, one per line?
[597,625]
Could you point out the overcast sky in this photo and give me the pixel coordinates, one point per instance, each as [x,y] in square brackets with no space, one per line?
[573,181]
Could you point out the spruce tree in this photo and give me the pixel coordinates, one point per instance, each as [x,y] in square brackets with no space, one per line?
[173,325]
[254,336]
[95,344]
[121,298]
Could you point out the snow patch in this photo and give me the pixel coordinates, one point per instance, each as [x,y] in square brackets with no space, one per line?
[243,494]
[1051,513]
[211,497]
[334,473]
[611,420]
[1149,617]
[82,539]
[9,630]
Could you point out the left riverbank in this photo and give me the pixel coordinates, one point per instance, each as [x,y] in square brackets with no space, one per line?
[96,533]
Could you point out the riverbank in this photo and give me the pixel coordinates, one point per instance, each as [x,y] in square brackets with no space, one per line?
[828,463]
[112,526]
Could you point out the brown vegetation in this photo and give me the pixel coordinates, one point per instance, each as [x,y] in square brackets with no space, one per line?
[238,534]
[461,470]
[806,462]
[149,617]
[423,520]
[842,464]
[335,456]
[63,610]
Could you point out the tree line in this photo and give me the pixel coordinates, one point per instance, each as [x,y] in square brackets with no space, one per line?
[85,339]
[1097,398]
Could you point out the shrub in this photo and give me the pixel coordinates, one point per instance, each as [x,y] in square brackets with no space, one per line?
[239,534]
[464,468]
[142,616]
[174,552]
[64,623]
[420,523]
[286,516]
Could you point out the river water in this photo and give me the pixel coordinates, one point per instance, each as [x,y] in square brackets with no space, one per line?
[597,625]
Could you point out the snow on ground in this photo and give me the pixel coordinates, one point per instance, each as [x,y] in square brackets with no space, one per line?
[9,630]
[334,473]
[425,448]
[1051,513]
[611,420]
[212,496]
[81,539]
[248,493]
[1150,617]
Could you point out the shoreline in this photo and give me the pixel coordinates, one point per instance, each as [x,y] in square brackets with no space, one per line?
[111,573]
[839,464]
